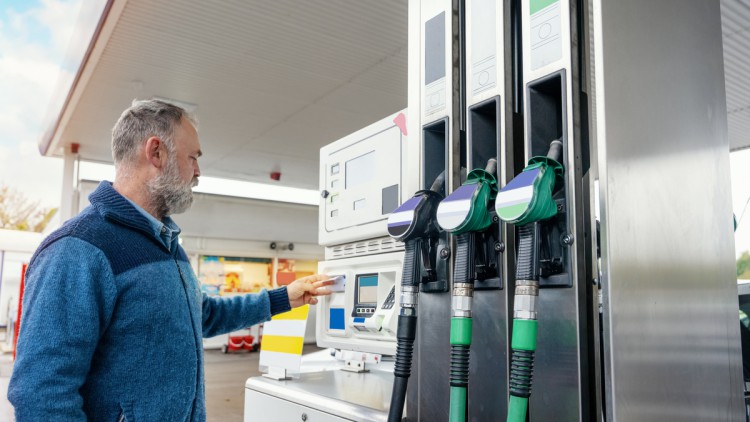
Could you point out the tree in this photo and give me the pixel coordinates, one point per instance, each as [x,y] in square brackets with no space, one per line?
[743,266]
[17,212]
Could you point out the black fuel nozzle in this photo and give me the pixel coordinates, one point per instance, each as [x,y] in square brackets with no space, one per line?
[413,223]
[415,218]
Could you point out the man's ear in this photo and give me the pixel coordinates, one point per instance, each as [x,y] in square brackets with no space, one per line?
[155,153]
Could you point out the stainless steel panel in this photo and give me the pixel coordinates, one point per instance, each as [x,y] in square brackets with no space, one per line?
[488,362]
[265,407]
[429,392]
[672,349]
[557,390]
[358,397]
[561,372]
[428,395]
[488,61]
[560,389]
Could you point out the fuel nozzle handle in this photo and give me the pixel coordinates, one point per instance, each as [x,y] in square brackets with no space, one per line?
[527,262]
[464,266]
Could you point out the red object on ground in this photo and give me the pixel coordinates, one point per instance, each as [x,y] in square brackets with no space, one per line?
[20,302]
[249,343]
[236,343]
[275,175]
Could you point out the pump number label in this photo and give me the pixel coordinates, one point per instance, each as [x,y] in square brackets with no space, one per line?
[545,34]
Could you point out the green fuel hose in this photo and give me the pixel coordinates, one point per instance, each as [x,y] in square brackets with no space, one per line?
[459,374]
[525,201]
[465,213]
[523,341]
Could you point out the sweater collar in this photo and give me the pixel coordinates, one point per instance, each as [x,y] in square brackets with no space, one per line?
[113,206]
[166,230]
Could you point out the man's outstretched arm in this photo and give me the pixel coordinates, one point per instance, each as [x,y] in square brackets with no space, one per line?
[224,315]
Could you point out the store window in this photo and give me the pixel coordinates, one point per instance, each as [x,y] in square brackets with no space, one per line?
[221,275]
[292,269]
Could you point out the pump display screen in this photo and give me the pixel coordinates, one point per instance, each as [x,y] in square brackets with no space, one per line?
[367,288]
[434,49]
[360,170]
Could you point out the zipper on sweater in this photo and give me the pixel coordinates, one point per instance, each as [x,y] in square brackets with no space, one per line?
[187,297]
[197,360]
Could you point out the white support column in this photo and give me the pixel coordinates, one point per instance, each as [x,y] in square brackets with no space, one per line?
[275,270]
[68,191]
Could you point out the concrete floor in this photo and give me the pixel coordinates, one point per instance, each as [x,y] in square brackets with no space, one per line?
[6,369]
[225,383]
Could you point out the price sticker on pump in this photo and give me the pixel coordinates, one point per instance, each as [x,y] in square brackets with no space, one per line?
[339,282]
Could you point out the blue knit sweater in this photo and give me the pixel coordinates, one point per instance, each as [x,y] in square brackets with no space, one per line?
[113,322]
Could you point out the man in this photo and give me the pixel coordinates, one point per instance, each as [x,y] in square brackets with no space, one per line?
[113,317]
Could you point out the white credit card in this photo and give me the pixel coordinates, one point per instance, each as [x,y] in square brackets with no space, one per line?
[339,283]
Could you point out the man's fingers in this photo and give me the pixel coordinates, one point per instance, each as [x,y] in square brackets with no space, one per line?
[321,291]
[314,278]
[316,288]
[317,291]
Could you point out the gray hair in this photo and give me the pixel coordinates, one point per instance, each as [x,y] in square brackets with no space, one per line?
[142,120]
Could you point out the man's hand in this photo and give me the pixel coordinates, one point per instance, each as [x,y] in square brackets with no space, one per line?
[305,290]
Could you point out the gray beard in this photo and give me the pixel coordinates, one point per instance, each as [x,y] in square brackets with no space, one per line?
[168,194]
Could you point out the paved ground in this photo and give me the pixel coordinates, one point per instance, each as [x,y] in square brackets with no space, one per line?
[225,383]
[6,368]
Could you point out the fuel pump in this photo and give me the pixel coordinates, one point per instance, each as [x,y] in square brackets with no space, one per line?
[527,202]
[414,224]
[467,213]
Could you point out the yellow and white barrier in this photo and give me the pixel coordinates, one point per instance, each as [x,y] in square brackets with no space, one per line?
[283,338]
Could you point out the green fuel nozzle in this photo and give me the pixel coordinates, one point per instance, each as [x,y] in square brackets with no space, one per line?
[414,223]
[466,213]
[528,197]
[526,202]
[468,208]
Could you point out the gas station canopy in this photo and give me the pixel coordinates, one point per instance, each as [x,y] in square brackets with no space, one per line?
[270,81]
[273,81]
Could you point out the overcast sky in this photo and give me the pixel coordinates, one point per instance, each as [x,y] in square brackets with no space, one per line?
[34,38]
